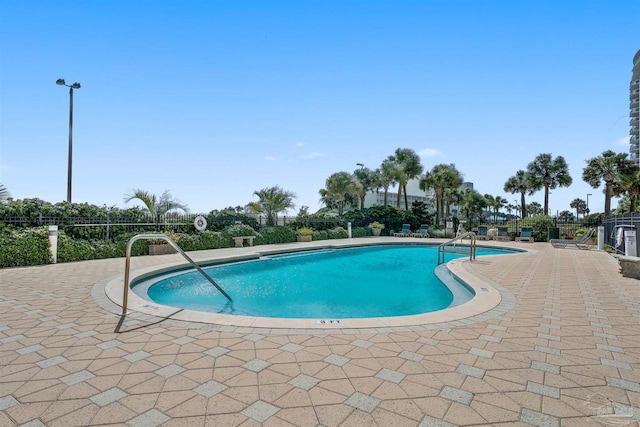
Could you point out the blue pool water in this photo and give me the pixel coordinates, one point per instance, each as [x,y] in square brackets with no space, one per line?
[376,281]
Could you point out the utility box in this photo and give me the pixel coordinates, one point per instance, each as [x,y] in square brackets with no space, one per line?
[630,248]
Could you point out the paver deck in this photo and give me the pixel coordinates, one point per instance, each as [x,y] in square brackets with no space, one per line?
[565,352]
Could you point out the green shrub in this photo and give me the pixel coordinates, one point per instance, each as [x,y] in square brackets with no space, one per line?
[338,233]
[277,234]
[360,232]
[238,230]
[320,235]
[24,247]
[201,241]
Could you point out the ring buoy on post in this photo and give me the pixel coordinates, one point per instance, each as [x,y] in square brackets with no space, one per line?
[200,223]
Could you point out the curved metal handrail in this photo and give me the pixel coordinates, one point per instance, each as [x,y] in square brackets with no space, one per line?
[472,246]
[177,248]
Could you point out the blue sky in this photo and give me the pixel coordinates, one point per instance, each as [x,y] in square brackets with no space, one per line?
[213,100]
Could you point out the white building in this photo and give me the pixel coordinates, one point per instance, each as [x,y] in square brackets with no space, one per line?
[414,193]
[634,110]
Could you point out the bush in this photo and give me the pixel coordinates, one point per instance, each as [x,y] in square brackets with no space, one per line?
[360,232]
[338,233]
[277,234]
[24,248]
[201,241]
[391,217]
[238,230]
[320,235]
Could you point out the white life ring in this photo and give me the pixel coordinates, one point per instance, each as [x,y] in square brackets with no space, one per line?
[200,223]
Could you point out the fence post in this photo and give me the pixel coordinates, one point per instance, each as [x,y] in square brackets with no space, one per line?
[600,237]
[107,225]
[53,243]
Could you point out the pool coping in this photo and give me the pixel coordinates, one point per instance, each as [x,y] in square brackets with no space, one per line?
[490,300]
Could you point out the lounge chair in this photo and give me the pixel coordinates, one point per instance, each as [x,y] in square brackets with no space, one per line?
[423,231]
[526,234]
[580,244]
[405,232]
[482,233]
[503,234]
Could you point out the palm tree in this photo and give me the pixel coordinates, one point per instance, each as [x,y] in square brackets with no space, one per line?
[472,204]
[548,173]
[440,178]
[451,197]
[157,206]
[271,201]
[4,194]
[629,184]
[606,167]
[340,187]
[367,179]
[534,208]
[566,216]
[388,175]
[495,203]
[520,183]
[580,206]
[410,167]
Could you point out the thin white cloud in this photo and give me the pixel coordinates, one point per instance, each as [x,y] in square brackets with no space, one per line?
[299,144]
[623,141]
[429,152]
[270,158]
[313,155]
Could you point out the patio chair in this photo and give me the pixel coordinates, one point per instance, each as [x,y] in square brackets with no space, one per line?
[482,233]
[503,234]
[423,231]
[580,244]
[526,234]
[405,232]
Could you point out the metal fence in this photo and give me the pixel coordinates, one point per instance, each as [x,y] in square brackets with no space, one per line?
[614,238]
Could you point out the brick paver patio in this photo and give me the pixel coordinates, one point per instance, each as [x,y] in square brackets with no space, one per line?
[566,352]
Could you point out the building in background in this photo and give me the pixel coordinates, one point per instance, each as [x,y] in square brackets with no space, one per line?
[414,194]
[634,110]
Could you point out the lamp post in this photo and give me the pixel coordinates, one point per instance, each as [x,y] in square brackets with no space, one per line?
[586,211]
[76,85]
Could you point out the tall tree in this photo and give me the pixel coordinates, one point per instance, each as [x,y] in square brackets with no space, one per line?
[580,206]
[520,183]
[440,178]
[606,167]
[548,173]
[410,167]
[495,203]
[271,201]
[451,197]
[367,179]
[157,206]
[629,184]
[340,186]
[472,205]
[388,175]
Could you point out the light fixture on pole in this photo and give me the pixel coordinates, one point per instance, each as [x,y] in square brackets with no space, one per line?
[361,165]
[76,85]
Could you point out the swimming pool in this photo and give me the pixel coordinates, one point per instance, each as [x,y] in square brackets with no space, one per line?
[348,283]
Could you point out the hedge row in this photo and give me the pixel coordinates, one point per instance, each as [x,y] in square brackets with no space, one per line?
[31,246]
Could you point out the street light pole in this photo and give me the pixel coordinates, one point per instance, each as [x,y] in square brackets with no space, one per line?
[587,208]
[71,88]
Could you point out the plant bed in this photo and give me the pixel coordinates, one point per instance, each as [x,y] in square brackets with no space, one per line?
[161,249]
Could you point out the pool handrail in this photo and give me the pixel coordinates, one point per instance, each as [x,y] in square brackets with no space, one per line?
[442,248]
[177,248]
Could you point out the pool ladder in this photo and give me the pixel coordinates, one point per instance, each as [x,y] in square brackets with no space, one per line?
[177,248]
[448,247]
